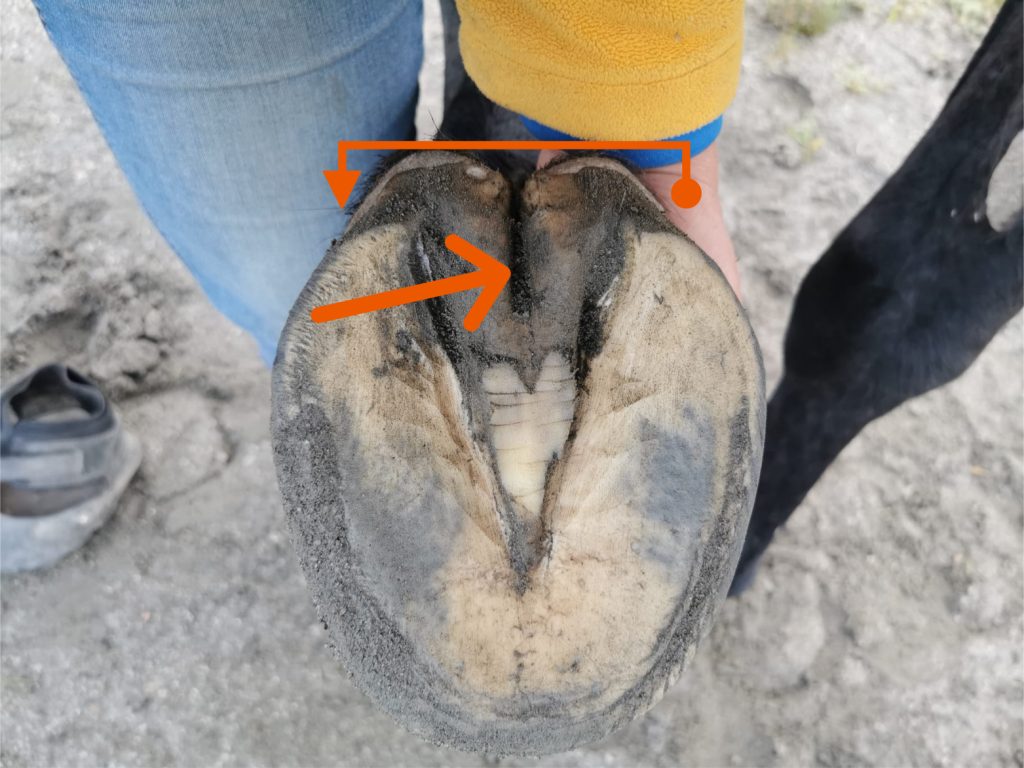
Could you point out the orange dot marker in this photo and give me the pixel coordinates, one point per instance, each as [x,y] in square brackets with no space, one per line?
[686,192]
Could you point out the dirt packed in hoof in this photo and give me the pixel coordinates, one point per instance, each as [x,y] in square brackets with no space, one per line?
[884,627]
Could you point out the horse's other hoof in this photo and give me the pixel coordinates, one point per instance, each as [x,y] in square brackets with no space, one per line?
[516,537]
[744,578]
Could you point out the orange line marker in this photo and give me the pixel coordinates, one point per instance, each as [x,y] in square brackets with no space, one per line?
[686,192]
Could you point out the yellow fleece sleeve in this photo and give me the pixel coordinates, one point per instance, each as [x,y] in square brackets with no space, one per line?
[606,69]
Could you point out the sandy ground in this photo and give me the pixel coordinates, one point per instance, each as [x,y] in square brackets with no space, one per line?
[886,624]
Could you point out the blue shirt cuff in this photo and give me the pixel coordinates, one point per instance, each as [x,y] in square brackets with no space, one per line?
[700,139]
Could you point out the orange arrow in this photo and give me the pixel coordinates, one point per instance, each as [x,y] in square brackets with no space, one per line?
[491,275]
[342,181]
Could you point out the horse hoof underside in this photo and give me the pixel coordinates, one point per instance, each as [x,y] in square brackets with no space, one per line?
[516,537]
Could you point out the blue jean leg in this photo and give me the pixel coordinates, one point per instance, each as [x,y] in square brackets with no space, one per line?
[223,115]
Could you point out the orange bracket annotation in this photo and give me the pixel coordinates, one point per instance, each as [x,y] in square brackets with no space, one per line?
[685,192]
[490,275]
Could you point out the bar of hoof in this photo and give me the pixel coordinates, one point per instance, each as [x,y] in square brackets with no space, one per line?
[516,538]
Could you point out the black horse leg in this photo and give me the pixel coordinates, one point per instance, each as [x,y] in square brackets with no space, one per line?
[907,296]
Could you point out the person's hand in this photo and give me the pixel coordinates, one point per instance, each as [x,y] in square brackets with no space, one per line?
[703,223]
